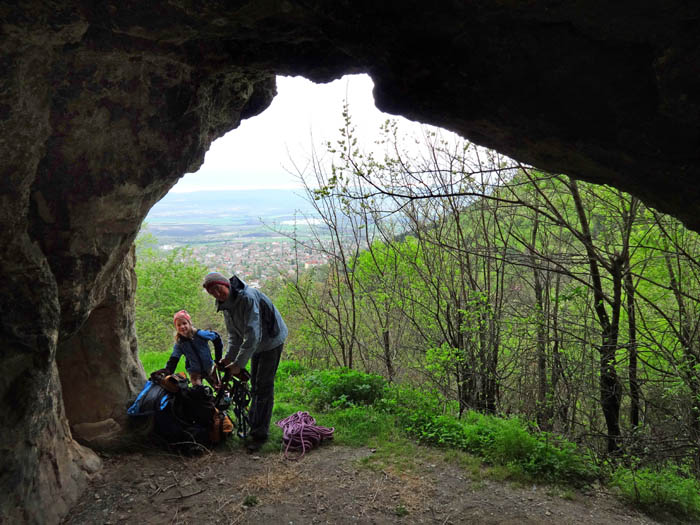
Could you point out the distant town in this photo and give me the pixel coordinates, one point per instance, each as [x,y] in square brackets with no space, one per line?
[248,233]
[256,262]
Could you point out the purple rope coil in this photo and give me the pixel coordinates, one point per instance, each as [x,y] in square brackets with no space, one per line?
[300,433]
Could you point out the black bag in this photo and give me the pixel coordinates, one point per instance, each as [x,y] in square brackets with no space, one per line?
[152,399]
[178,434]
[183,419]
[195,405]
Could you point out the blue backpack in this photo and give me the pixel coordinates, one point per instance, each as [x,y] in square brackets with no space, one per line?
[152,398]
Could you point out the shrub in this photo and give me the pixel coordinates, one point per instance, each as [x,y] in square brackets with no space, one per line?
[290,369]
[358,425]
[343,387]
[502,442]
[415,400]
[660,489]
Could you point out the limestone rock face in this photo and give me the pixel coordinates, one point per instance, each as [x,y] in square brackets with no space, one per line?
[104,105]
[99,365]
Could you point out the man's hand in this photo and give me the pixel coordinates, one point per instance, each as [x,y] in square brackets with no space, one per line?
[221,364]
[232,369]
[226,365]
[243,375]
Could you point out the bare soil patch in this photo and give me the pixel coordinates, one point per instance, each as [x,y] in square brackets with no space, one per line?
[327,485]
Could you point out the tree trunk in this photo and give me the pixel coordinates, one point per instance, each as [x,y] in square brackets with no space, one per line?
[632,327]
[543,414]
[610,388]
[387,356]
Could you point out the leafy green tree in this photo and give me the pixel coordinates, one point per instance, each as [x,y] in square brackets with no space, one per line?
[169,281]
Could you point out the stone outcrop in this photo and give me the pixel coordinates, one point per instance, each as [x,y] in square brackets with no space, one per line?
[104,105]
[99,366]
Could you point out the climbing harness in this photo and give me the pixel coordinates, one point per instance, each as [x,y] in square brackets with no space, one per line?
[300,433]
[234,391]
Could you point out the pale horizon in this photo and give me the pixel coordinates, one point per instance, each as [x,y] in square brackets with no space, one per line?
[192,189]
[267,150]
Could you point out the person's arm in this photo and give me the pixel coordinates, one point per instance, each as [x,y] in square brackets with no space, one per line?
[215,338]
[239,353]
[252,334]
[171,365]
[218,346]
[234,338]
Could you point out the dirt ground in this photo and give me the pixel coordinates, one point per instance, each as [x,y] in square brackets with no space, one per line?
[328,485]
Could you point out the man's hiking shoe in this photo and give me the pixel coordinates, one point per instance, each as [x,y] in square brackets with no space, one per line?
[253,445]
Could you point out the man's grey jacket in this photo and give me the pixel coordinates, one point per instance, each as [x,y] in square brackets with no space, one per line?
[253,323]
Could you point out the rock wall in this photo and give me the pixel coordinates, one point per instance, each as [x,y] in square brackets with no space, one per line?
[104,105]
[99,366]
[94,132]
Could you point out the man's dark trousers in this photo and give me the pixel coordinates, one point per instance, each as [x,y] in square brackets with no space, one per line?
[262,385]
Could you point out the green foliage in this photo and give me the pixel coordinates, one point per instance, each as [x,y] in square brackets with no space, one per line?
[285,407]
[401,510]
[442,360]
[289,383]
[290,368]
[168,282]
[250,500]
[402,400]
[359,425]
[342,387]
[501,442]
[668,488]
[156,360]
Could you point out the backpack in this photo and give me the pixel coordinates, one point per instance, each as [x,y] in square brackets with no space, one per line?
[175,382]
[195,405]
[152,398]
[186,420]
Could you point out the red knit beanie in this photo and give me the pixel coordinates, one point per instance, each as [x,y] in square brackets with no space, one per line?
[215,278]
[182,314]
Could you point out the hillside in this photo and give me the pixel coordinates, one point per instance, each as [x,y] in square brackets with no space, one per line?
[333,484]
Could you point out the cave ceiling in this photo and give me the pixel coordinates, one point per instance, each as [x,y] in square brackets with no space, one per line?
[606,92]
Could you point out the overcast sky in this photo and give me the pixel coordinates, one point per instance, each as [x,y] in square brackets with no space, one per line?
[257,154]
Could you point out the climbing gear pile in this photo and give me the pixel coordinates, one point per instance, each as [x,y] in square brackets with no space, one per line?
[300,433]
[234,391]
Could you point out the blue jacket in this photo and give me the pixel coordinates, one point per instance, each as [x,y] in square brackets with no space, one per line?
[253,323]
[196,351]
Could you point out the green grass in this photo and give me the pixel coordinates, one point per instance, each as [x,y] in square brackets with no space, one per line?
[658,490]
[359,426]
[250,501]
[156,360]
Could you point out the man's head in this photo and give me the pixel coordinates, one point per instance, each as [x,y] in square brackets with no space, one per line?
[217,286]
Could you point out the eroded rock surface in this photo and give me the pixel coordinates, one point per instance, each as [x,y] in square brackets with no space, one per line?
[104,105]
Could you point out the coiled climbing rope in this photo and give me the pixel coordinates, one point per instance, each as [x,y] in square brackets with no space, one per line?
[300,433]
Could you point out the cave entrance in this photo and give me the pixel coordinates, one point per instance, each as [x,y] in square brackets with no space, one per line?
[214,212]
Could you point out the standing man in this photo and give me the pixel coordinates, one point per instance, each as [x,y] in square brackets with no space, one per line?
[256,332]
